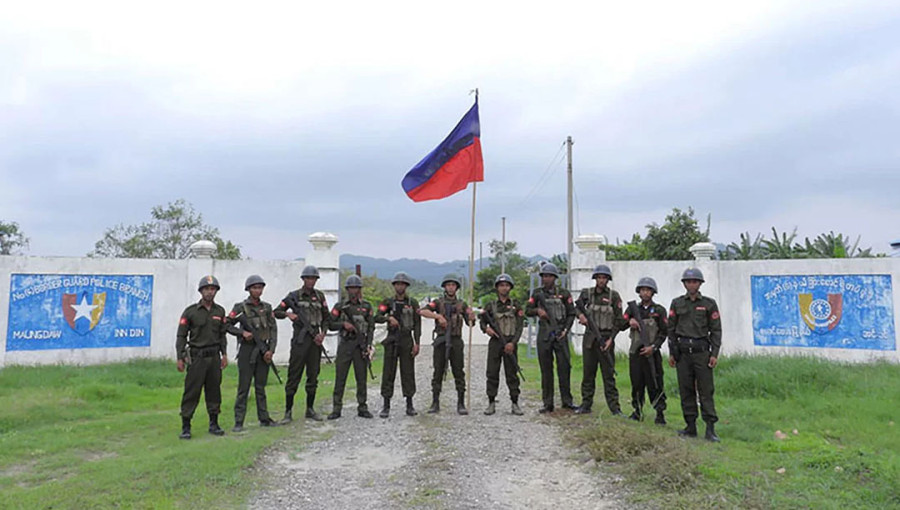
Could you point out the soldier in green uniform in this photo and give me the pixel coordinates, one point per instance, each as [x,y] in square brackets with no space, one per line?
[555,308]
[253,323]
[307,310]
[695,337]
[354,319]
[646,319]
[449,313]
[509,317]
[201,348]
[401,345]
[605,308]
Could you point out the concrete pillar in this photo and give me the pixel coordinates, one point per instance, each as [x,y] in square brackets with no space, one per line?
[203,249]
[584,259]
[327,260]
[703,251]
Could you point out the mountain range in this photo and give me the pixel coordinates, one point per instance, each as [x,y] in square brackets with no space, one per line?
[419,269]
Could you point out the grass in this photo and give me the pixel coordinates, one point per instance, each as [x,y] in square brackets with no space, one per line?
[845,453]
[102,436]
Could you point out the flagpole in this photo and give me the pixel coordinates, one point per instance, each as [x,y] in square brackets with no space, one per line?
[471,299]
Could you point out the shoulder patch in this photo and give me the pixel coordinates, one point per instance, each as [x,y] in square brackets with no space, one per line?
[232,314]
[521,313]
[382,307]
[715,315]
[335,311]
[283,304]
[531,300]
[672,312]
[570,299]
[183,321]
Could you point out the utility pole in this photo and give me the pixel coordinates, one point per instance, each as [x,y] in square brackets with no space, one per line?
[569,207]
[503,247]
[480,255]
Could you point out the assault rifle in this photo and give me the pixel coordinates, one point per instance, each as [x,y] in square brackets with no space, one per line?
[448,315]
[510,358]
[306,327]
[553,323]
[634,312]
[595,330]
[260,343]
[396,334]
[363,345]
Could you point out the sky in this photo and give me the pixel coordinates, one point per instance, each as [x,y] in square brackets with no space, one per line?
[279,119]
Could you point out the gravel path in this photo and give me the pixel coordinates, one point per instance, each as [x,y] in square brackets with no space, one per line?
[433,461]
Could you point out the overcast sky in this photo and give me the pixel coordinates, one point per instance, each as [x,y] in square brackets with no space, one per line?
[280,119]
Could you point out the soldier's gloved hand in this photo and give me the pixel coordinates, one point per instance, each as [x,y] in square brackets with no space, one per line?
[672,361]
[292,316]
[541,313]
[247,336]
[319,338]
[393,323]
[647,351]
[634,323]
[441,320]
[582,319]
[415,349]
[490,331]
[509,348]
[350,328]
[267,357]
[181,365]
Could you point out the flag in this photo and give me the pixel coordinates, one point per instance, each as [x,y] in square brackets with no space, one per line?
[451,166]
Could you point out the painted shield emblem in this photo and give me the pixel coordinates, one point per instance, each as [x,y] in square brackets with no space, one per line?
[83,311]
[821,313]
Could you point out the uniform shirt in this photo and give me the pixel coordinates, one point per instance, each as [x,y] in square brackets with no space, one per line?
[315,305]
[386,309]
[499,307]
[540,296]
[357,312]
[653,311]
[460,314]
[256,317]
[200,328]
[606,297]
[697,318]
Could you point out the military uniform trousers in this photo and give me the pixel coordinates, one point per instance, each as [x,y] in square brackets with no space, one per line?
[546,351]
[304,355]
[593,357]
[639,370]
[694,367]
[495,357]
[252,368]
[398,354]
[456,365]
[203,374]
[349,353]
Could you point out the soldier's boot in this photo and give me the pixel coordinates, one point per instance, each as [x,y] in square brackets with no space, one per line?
[435,404]
[335,413]
[585,408]
[288,405]
[287,417]
[660,418]
[690,430]
[636,416]
[185,428]
[214,427]
[410,410]
[238,426]
[516,410]
[461,403]
[385,409]
[711,433]
[310,410]
[491,408]
[363,412]
[268,422]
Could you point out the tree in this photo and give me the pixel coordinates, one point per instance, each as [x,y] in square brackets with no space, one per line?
[629,250]
[746,250]
[672,240]
[831,246]
[516,267]
[12,240]
[168,235]
[783,246]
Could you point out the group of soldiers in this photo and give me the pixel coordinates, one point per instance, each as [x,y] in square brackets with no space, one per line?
[692,327]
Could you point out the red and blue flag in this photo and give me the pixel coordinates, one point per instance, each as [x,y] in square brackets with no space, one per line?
[451,166]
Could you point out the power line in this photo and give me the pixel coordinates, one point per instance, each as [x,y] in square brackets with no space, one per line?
[548,172]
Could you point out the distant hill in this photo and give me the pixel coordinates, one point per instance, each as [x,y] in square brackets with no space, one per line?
[420,269]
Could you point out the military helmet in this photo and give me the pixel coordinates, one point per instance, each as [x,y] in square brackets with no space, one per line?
[402,277]
[504,278]
[253,280]
[309,271]
[451,278]
[353,281]
[692,273]
[648,282]
[208,281]
[602,269]
[549,268]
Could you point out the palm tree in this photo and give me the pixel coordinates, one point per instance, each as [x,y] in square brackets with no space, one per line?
[746,250]
[783,246]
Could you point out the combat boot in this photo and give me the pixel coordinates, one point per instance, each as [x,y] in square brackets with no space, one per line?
[214,427]
[287,417]
[335,413]
[310,410]
[690,430]
[410,410]
[461,403]
[268,422]
[435,404]
[660,418]
[386,409]
[364,413]
[238,426]
[491,408]
[584,409]
[185,428]
[711,433]
[516,410]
